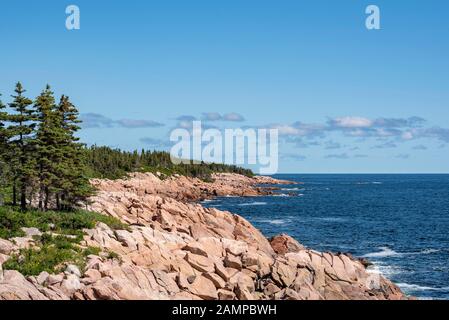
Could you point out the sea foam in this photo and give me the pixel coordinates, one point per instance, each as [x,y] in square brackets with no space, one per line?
[385,252]
[255,203]
[415,287]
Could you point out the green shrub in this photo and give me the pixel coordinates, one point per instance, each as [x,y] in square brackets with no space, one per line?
[53,254]
[113,255]
[72,223]
[10,223]
[59,243]
[31,262]
[92,250]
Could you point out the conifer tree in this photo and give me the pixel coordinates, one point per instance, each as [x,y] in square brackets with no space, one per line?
[3,131]
[3,118]
[49,139]
[74,185]
[20,143]
[3,139]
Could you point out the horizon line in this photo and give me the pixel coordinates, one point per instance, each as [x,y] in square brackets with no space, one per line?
[373,173]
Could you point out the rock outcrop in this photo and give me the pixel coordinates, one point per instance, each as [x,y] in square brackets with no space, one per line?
[177,249]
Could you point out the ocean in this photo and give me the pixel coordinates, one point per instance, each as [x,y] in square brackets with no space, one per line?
[399,222]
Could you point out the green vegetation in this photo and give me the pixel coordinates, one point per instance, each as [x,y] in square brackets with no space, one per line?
[104,162]
[41,159]
[68,223]
[52,256]
[113,255]
[59,243]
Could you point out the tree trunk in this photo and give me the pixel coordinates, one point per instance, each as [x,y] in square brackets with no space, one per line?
[41,188]
[64,205]
[41,196]
[23,196]
[14,192]
[58,204]
[46,199]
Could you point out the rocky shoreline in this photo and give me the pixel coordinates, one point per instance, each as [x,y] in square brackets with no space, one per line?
[175,248]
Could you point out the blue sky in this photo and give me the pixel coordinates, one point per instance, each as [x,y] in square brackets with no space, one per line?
[346,99]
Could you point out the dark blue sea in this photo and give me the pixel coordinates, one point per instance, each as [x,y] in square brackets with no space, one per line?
[399,222]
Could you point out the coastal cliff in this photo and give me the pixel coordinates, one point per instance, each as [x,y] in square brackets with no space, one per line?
[174,248]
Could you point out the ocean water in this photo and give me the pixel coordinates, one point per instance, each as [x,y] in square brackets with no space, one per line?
[399,222]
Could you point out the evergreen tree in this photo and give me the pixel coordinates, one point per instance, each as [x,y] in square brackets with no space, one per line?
[3,140]
[3,118]
[3,130]
[20,143]
[49,139]
[74,185]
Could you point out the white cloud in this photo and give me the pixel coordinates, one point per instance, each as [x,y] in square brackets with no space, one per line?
[285,130]
[228,117]
[233,117]
[351,122]
[407,135]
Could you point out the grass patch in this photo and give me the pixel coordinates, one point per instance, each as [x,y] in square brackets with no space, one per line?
[59,243]
[113,255]
[92,251]
[31,262]
[72,223]
[51,256]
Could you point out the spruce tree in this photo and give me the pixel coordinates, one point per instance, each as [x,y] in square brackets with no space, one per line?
[3,131]
[3,118]
[20,143]
[74,185]
[3,140]
[49,139]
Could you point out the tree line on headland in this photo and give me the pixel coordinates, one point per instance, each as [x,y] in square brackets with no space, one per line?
[44,165]
[104,162]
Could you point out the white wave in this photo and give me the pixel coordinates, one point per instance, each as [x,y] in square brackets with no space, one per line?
[281,195]
[253,204]
[425,251]
[276,221]
[385,252]
[385,270]
[429,251]
[415,287]
[292,189]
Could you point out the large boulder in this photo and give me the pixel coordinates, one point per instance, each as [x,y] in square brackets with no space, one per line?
[204,288]
[200,263]
[283,244]
[6,247]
